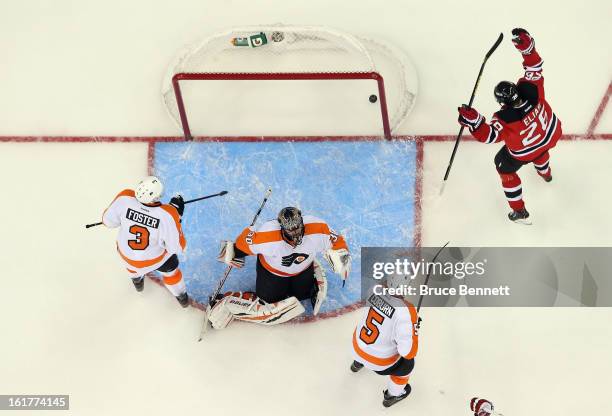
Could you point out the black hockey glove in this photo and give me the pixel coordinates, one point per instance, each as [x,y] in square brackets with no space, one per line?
[178,203]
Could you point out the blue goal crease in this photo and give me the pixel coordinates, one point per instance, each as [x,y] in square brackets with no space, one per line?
[364,190]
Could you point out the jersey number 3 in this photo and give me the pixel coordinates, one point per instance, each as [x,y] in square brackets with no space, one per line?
[141,241]
[369,332]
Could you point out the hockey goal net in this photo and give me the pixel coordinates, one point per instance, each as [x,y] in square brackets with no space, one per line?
[288,77]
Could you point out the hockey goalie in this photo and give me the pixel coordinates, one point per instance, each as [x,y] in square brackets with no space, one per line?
[287,270]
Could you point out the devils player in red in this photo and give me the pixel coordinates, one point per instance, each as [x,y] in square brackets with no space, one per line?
[525,123]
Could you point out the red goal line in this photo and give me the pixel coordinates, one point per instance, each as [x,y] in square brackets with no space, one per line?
[162,139]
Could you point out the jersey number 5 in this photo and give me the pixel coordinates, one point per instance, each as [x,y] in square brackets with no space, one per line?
[141,241]
[369,332]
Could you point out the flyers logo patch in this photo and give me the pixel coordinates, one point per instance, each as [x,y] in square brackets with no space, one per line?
[295,258]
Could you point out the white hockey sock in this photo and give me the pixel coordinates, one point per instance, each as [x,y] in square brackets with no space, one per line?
[174,282]
[396,385]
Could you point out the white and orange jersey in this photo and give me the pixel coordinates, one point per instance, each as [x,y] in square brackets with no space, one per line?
[279,257]
[386,331]
[148,235]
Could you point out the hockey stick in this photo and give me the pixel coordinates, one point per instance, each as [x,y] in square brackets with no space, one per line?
[213,297]
[452,158]
[427,278]
[205,197]
[186,202]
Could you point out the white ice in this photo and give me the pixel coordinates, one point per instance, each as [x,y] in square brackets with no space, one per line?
[72,324]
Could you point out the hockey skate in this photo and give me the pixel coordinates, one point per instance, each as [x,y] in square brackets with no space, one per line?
[183,299]
[389,400]
[547,178]
[520,217]
[356,366]
[138,283]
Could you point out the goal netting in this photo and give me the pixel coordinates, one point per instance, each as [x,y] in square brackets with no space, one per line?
[283,80]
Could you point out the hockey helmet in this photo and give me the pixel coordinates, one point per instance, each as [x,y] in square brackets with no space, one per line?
[149,190]
[506,93]
[292,225]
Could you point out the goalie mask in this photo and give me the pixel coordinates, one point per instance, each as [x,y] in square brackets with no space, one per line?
[292,225]
[506,94]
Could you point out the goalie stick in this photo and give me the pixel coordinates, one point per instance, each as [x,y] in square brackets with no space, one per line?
[213,297]
[186,202]
[452,158]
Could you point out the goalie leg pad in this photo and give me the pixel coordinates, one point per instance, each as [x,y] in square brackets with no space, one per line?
[321,291]
[257,311]
[220,315]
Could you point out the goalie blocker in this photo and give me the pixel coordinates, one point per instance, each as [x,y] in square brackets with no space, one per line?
[287,270]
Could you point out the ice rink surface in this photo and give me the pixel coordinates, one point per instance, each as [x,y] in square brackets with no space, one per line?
[73,324]
[369,202]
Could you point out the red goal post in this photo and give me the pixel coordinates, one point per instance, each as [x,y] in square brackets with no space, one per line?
[291,53]
[256,76]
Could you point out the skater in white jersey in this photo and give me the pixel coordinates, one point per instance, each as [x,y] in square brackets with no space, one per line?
[150,235]
[386,341]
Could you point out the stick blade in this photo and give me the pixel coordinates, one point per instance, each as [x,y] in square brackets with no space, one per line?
[442,188]
[495,45]
[204,329]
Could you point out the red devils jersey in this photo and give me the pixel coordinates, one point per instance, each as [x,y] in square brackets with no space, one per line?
[532,128]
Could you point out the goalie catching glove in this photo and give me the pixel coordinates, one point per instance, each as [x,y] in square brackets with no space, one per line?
[340,261]
[227,255]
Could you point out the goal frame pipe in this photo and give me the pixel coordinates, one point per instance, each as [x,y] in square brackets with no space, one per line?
[285,76]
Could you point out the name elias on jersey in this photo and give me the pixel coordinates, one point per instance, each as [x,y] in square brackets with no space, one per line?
[141,218]
[382,305]
[532,116]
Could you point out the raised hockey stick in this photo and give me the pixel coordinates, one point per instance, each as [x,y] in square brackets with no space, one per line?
[186,202]
[212,299]
[452,158]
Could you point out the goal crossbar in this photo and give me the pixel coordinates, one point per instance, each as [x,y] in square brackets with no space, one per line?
[281,76]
